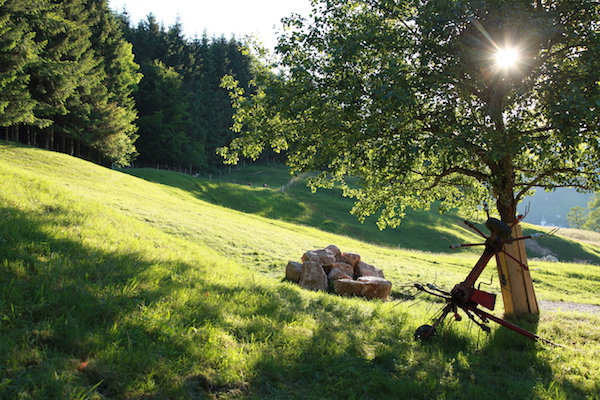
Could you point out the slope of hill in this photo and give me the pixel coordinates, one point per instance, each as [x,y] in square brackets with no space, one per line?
[115,287]
[243,188]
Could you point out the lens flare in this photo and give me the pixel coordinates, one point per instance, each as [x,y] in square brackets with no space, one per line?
[506,58]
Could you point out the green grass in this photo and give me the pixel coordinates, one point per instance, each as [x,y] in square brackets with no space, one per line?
[329,211]
[115,287]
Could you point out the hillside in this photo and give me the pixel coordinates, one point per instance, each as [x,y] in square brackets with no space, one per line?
[114,287]
[256,189]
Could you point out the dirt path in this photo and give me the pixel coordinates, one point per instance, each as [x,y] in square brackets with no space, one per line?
[561,306]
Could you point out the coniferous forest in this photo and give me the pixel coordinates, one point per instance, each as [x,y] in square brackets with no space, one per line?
[78,78]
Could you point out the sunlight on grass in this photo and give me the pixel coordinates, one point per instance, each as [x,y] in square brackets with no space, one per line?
[115,287]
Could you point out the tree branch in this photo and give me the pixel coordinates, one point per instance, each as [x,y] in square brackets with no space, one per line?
[540,177]
[437,178]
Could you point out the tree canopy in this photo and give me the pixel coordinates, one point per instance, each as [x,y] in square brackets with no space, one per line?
[415,99]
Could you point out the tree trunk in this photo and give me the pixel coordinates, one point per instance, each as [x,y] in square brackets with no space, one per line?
[504,189]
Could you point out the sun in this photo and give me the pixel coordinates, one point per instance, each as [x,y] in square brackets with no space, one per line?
[506,58]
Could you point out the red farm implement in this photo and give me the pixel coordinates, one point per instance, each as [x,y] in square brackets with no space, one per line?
[464,296]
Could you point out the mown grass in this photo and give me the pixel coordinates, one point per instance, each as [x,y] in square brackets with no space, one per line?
[242,188]
[114,287]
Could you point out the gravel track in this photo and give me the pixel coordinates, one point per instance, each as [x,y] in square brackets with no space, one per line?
[562,306]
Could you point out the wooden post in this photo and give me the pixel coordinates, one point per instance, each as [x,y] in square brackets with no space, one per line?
[515,281]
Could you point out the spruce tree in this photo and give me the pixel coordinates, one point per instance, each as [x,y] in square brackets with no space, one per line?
[164,120]
[17,50]
[112,129]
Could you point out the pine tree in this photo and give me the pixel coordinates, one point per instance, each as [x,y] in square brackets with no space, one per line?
[112,129]
[200,64]
[17,50]
[164,120]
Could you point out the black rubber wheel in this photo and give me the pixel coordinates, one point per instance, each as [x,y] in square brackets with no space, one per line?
[424,332]
[500,228]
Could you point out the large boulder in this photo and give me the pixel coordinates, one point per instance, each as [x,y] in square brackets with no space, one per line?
[370,287]
[313,276]
[345,268]
[293,271]
[323,257]
[336,274]
[364,269]
[337,253]
[379,288]
[351,258]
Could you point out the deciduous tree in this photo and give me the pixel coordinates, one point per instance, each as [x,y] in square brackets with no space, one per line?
[433,100]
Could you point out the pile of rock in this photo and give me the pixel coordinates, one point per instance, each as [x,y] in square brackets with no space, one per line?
[329,269]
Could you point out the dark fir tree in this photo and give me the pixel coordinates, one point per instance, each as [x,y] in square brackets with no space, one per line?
[112,129]
[17,50]
[164,120]
[68,77]
[201,63]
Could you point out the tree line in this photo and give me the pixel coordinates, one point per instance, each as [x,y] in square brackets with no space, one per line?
[184,113]
[79,78]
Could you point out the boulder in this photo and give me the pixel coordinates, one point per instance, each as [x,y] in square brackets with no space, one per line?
[337,253]
[346,287]
[313,277]
[345,268]
[293,271]
[323,257]
[378,287]
[364,269]
[351,258]
[336,274]
[368,287]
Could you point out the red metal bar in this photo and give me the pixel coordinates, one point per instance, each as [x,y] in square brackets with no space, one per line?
[488,253]
[470,225]
[512,327]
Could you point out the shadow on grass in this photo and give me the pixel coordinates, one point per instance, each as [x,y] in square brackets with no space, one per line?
[335,365]
[61,304]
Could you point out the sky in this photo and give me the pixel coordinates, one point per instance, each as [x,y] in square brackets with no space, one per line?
[261,18]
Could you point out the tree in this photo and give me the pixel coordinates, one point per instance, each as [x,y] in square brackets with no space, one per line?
[67,73]
[111,128]
[577,217]
[586,218]
[413,98]
[164,119]
[17,50]
[200,64]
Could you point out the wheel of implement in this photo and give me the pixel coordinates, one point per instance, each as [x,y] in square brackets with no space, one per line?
[500,228]
[424,332]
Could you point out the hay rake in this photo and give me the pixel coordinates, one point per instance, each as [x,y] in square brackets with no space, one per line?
[464,296]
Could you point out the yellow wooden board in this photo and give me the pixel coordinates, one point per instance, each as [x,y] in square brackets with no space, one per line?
[518,293]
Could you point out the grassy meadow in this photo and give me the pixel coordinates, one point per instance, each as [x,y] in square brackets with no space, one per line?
[170,287]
